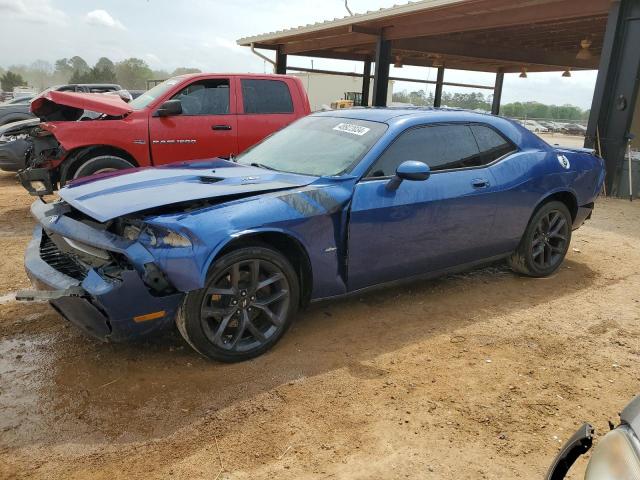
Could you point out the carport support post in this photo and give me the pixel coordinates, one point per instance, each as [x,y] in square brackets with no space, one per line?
[381,77]
[616,91]
[497,92]
[366,81]
[281,62]
[437,98]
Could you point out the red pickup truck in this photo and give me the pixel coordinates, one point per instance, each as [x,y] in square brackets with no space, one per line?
[188,117]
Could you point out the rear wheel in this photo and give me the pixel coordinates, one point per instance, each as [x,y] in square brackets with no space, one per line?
[545,242]
[248,303]
[101,164]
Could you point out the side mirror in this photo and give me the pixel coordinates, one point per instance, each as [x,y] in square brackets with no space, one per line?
[169,108]
[409,170]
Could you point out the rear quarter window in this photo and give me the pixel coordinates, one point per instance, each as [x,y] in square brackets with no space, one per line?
[266,96]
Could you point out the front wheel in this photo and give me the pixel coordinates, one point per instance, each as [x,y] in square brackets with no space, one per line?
[248,303]
[101,164]
[545,241]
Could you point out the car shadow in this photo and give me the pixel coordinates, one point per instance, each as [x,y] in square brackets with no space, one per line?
[136,392]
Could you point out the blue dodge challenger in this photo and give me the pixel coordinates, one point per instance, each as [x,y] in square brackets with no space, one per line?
[333,204]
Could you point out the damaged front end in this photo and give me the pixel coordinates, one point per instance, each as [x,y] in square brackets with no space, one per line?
[105,283]
[43,152]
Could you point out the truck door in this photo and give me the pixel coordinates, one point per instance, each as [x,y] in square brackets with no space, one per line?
[207,127]
[266,106]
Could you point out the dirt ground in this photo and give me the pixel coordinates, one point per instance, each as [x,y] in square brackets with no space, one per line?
[473,376]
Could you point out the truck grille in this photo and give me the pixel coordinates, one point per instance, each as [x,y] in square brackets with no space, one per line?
[59,260]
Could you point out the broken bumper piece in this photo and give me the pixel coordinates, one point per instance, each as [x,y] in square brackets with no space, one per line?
[110,309]
[37,181]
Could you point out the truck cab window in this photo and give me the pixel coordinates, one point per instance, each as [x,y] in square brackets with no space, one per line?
[205,97]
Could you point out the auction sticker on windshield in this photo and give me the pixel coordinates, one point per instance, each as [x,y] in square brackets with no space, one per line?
[351,128]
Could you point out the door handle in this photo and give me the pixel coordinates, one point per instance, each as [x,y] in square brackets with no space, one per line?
[220,127]
[480,183]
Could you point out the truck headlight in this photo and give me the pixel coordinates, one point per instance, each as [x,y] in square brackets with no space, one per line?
[615,458]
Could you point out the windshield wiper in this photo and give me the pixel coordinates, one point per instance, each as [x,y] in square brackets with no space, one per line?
[260,165]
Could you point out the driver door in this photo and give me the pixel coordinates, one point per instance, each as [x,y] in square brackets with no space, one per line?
[423,226]
[206,128]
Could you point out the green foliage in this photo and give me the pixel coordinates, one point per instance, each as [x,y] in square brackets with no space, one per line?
[133,73]
[184,71]
[10,80]
[477,100]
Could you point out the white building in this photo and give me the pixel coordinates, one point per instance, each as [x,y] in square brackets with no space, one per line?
[323,89]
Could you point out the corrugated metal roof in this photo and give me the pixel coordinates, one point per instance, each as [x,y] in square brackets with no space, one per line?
[383,13]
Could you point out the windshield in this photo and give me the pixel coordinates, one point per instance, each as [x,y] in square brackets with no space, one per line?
[316,146]
[150,95]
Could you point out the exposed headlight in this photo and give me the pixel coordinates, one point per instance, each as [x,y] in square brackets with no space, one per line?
[615,458]
[158,237]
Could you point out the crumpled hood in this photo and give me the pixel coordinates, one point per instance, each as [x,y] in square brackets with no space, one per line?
[115,194]
[55,105]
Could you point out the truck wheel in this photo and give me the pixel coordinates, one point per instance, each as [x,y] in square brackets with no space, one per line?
[101,164]
[249,301]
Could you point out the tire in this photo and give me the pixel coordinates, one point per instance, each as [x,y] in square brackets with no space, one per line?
[545,241]
[101,164]
[238,315]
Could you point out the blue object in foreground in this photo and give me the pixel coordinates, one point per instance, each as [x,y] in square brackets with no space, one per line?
[335,203]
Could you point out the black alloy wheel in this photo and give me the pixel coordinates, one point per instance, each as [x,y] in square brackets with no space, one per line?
[549,242]
[545,241]
[247,305]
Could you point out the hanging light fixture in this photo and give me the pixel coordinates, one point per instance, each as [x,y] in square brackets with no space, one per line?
[566,73]
[523,72]
[584,53]
[398,62]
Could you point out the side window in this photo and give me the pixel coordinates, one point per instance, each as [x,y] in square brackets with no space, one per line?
[441,147]
[492,145]
[205,97]
[266,96]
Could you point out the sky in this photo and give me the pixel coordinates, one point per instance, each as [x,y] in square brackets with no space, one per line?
[203,33]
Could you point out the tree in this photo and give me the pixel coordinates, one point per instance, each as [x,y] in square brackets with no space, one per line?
[185,70]
[10,80]
[133,73]
[40,74]
[104,63]
[78,64]
[104,71]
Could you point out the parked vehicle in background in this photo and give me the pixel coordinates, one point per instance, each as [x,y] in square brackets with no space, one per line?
[617,455]
[534,126]
[17,100]
[574,129]
[550,125]
[23,92]
[19,109]
[14,144]
[189,117]
[338,202]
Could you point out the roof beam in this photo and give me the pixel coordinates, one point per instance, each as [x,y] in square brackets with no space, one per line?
[518,15]
[495,53]
[348,40]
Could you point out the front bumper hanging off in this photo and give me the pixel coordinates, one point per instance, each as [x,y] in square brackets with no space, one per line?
[114,309]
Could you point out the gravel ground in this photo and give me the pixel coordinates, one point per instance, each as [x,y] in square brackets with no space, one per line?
[481,375]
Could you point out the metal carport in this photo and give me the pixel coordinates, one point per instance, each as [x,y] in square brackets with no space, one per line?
[498,36]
